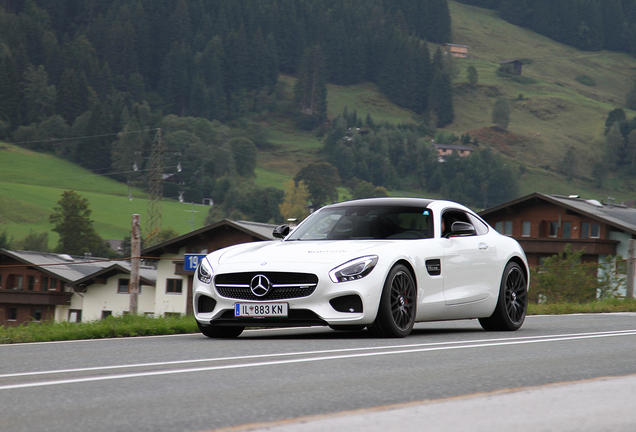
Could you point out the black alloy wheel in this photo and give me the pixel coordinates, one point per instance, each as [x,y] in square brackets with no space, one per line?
[512,305]
[396,314]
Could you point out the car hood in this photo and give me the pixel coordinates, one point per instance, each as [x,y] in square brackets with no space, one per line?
[297,251]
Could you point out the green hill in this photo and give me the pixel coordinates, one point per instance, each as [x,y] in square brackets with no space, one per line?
[551,111]
[32,183]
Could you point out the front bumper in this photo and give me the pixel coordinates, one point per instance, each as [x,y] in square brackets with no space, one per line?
[345,303]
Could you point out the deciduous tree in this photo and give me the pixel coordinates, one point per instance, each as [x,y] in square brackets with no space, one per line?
[72,221]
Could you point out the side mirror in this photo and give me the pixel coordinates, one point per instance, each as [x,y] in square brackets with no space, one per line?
[281,231]
[462,229]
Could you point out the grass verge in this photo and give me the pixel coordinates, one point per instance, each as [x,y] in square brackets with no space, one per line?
[602,306]
[139,325]
[111,327]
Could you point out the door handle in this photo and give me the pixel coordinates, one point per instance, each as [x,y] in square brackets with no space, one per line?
[483,246]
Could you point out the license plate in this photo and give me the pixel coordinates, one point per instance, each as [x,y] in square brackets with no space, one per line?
[260,309]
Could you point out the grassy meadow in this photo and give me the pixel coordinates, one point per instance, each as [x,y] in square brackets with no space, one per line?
[32,183]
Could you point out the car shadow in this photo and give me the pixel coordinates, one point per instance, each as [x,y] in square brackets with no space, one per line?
[314,333]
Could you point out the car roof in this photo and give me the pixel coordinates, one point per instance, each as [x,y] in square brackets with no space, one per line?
[385,201]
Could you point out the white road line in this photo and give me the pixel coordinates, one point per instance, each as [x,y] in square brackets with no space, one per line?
[301,353]
[469,345]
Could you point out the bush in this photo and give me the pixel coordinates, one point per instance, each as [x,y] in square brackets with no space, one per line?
[586,80]
[563,278]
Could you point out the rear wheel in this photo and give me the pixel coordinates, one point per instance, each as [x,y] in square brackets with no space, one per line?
[220,332]
[396,314]
[510,312]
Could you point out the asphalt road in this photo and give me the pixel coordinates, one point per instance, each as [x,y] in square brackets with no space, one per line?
[191,383]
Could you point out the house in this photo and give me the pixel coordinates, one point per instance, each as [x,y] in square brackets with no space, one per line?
[460,51]
[174,279]
[544,224]
[515,64]
[445,150]
[37,286]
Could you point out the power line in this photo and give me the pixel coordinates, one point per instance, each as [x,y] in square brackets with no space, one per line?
[53,140]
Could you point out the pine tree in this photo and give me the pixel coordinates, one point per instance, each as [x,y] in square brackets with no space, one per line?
[310,90]
[501,113]
[442,98]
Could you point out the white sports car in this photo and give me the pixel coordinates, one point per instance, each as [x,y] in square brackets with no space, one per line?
[379,263]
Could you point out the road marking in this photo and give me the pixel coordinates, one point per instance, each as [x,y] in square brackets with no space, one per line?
[301,353]
[394,350]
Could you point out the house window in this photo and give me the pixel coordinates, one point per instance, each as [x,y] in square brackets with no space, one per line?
[13,314]
[37,314]
[75,315]
[567,230]
[19,282]
[508,228]
[590,230]
[30,283]
[526,226]
[595,231]
[45,283]
[499,227]
[53,284]
[174,286]
[106,314]
[123,286]
[553,229]
[585,230]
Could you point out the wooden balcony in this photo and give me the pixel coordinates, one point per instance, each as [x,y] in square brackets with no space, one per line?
[554,246]
[50,298]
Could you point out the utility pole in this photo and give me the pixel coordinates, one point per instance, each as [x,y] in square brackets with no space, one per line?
[631,256]
[135,243]
[155,190]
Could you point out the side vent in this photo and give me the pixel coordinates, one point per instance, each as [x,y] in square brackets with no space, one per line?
[206,304]
[434,267]
[348,304]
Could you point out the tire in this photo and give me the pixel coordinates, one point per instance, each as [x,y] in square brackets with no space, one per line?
[219,332]
[398,305]
[510,312]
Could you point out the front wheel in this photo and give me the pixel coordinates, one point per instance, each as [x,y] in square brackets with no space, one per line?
[220,332]
[396,314]
[510,312]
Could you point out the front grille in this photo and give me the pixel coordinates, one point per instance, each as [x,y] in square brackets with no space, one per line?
[283,285]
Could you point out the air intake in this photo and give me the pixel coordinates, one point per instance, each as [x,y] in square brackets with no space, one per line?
[205,304]
[349,304]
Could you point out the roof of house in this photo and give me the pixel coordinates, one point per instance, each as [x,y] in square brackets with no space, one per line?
[259,230]
[455,45]
[616,215]
[72,269]
[453,147]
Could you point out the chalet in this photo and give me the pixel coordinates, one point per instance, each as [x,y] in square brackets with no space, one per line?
[445,150]
[544,224]
[460,51]
[37,286]
[515,64]
[175,274]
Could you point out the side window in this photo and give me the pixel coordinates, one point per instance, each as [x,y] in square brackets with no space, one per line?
[480,226]
[451,216]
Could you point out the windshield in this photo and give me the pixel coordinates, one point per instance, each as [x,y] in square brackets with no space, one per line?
[360,223]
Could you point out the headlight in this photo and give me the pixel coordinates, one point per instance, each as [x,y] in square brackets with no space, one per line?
[204,271]
[354,269]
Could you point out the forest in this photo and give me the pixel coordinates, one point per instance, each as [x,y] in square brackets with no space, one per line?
[92,81]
